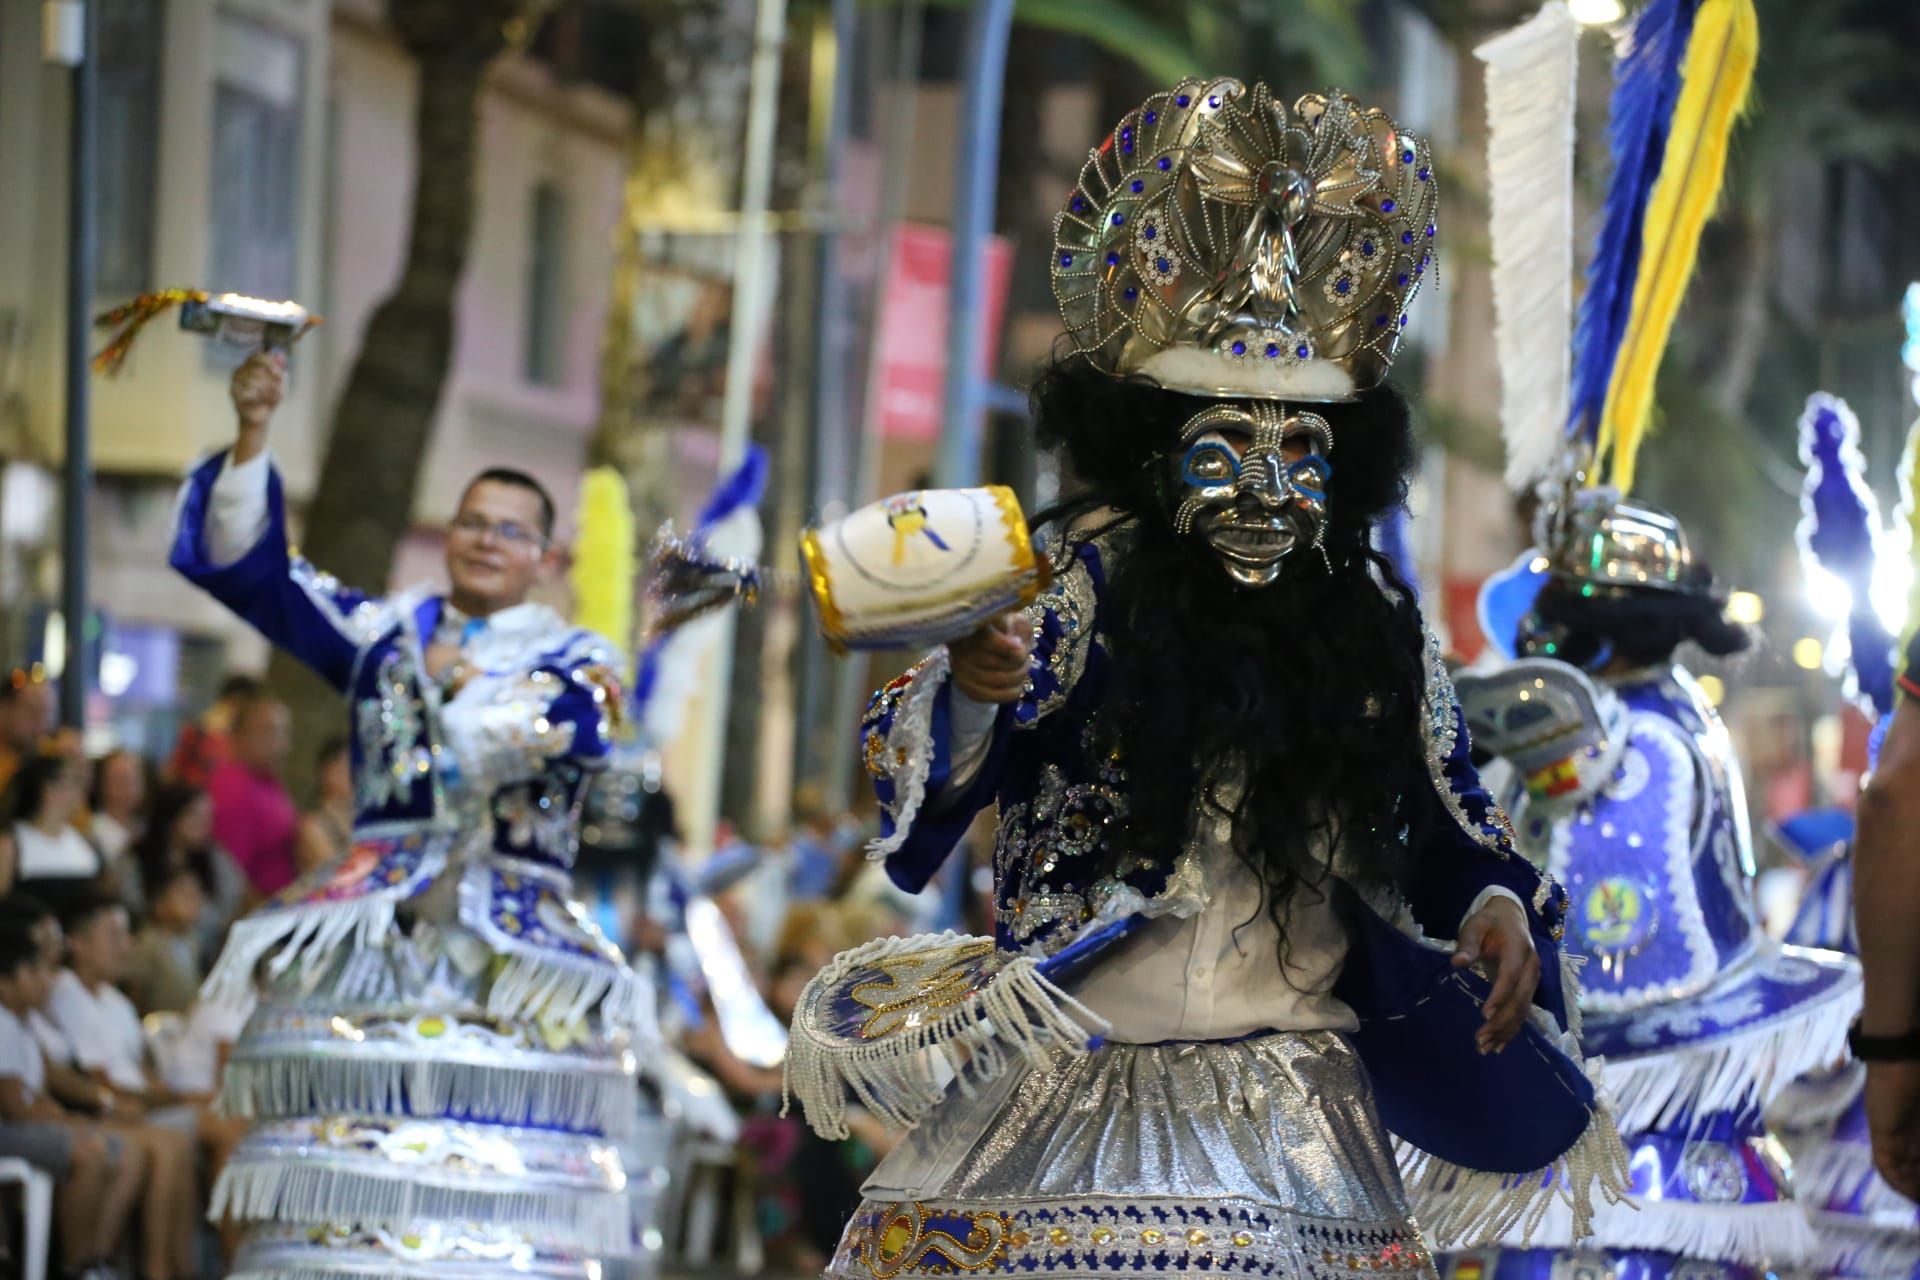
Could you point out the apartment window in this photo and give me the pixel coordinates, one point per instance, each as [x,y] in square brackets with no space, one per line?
[256,158]
[129,138]
[544,361]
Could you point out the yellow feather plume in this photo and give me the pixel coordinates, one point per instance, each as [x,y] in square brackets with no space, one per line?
[1715,77]
[604,557]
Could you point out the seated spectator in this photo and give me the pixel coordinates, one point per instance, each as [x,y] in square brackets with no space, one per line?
[118,803]
[254,818]
[202,745]
[98,1175]
[180,834]
[51,855]
[165,972]
[110,1046]
[26,717]
[326,831]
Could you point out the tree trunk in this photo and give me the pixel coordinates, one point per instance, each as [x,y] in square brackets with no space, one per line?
[383,424]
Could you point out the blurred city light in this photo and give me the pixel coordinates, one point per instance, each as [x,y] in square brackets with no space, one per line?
[1596,13]
[1746,608]
[1808,653]
[1714,688]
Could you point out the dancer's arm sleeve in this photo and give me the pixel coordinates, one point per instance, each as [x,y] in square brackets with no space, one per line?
[937,759]
[236,550]
[510,726]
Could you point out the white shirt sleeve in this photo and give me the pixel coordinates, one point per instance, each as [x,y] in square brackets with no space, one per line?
[72,1009]
[969,734]
[1487,895]
[237,512]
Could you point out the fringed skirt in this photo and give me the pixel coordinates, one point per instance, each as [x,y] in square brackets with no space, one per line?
[1259,1157]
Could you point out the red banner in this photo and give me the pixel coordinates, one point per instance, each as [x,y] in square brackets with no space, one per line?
[911,370]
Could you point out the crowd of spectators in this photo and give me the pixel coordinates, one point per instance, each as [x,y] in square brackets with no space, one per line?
[117,885]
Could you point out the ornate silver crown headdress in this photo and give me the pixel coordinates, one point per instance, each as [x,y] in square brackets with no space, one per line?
[1223,246]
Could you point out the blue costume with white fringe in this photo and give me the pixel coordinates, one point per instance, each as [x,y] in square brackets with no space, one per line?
[1036,1159]
[443,1054]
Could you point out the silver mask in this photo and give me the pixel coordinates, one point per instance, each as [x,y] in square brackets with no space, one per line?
[1252,481]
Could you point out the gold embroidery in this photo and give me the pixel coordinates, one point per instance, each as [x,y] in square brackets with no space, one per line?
[901,1242]
[918,984]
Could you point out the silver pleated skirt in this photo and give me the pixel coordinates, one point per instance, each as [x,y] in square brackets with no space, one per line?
[1259,1157]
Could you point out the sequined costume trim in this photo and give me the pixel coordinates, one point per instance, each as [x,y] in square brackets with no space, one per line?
[1082,1240]
[904,751]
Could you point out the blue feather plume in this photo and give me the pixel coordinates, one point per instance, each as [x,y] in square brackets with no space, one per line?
[1646,85]
[1839,531]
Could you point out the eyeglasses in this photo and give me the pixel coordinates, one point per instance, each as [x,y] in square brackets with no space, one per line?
[511,532]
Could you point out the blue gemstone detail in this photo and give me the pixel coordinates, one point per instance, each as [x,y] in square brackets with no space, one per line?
[1151,232]
[1406,157]
[1127,147]
[1166,162]
[1162,265]
[1182,100]
[1386,206]
[1406,237]
[1079,204]
[1214,102]
[1273,349]
[1126,133]
[1129,293]
[1303,351]
[1119,218]
[1380,322]
[1366,248]
[1403,322]
[1342,285]
[1401,279]
[1138,186]
[1423,173]
[1152,116]
[1430,230]
[1113,259]
[1066,259]
[1239,348]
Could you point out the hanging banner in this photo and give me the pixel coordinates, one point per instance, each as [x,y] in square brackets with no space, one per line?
[911,369]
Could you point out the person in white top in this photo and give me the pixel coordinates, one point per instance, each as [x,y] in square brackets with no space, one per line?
[47,795]
[98,1177]
[108,1043]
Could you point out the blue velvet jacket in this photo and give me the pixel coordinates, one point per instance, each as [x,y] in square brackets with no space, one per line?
[1060,803]
[484,784]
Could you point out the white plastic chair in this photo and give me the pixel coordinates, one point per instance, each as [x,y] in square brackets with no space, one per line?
[37,1198]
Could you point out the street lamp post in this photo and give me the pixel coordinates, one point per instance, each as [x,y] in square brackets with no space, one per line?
[70,29]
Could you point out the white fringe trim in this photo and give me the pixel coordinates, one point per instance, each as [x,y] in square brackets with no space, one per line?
[1766,1236]
[1832,1171]
[303,937]
[564,1096]
[1747,1068]
[542,986]
[913,718]
[1018,1016]
[1465,1208]
[320,1194]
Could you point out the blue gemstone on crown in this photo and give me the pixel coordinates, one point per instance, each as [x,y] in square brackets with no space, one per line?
[1113,259]
[1380,321]
[1239,348]
[1119,218]
[1151,232]
[1406,157]
[1066,259]
[1152,116]
[1401,279]
[1366,248]
[1129,293]
[1342,285]
[1161,264]
[1166,162]
[1303,351]
[1079,204]
[1386,206]
[1214,102]
[1430,230]
[1406,237]
[1403,321]
[1273,349]
[1182,100]
[1424,173]
[1138,186]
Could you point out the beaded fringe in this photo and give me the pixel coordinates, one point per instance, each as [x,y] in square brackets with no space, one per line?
[543,985]
[1747,1068]
[1018,1015]
[598,1222]
[1464,1208]
[286,1087]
